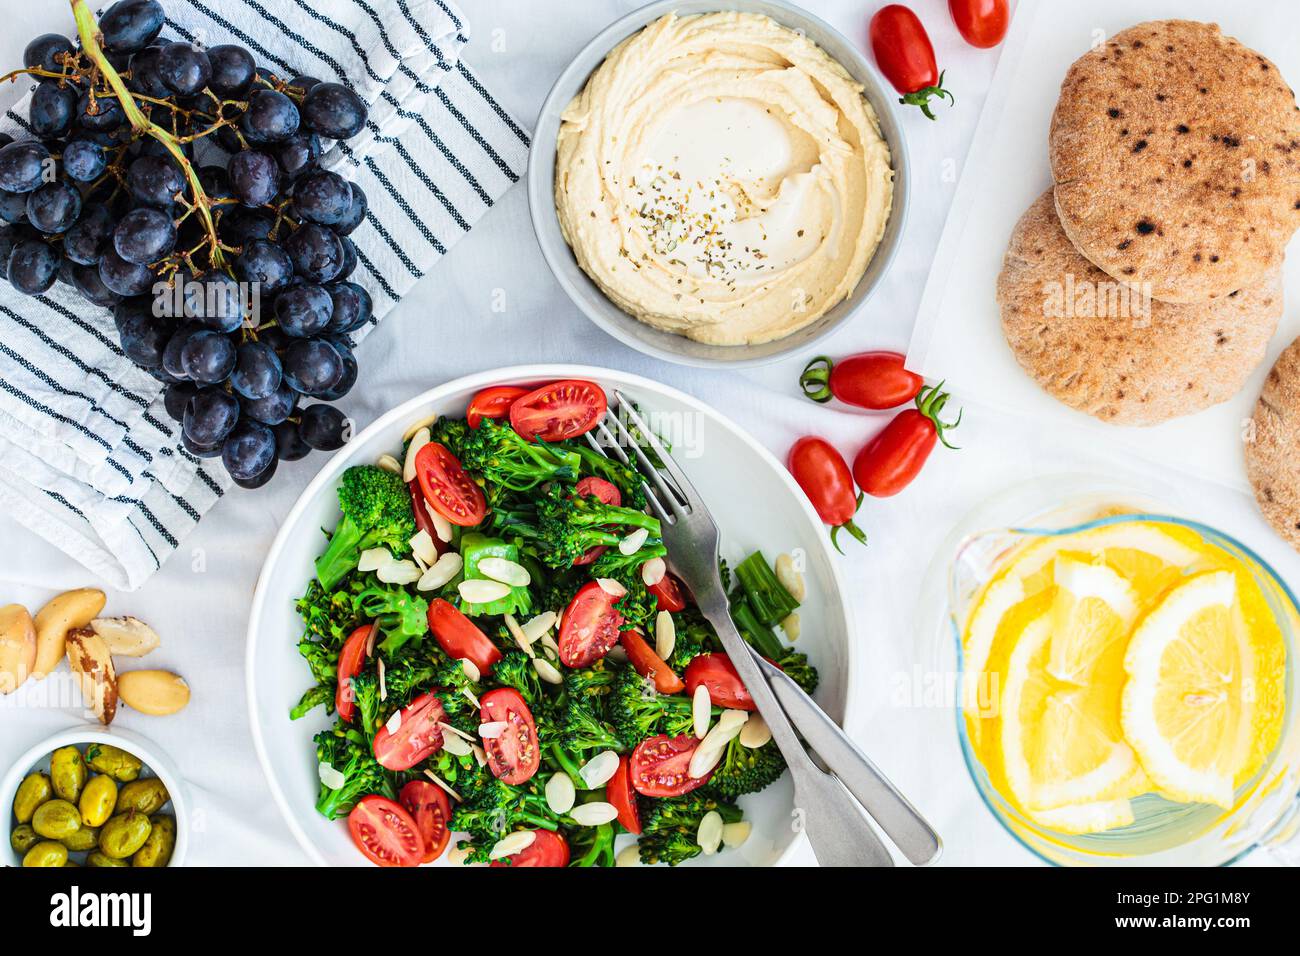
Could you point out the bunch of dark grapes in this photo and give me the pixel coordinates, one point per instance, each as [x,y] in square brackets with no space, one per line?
[201,216]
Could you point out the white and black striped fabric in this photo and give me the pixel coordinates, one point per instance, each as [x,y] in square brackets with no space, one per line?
[88,458]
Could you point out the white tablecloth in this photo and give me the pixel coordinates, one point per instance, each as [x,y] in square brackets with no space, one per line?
[493,302]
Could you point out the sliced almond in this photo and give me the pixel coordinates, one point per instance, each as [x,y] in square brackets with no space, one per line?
[440,572]
[632,543]
[630,855]
[419,439]
[598,771]
[444,784]
[394,722]
[415,426]
[471,669]
[388,463]
[492,729]
[455,746]
[126,636]
[546,671]
[481,591]
[330,777]
[157,693]
[372,559]
[454,731]
[701,710]
[560,793]
[611,587]
[704,760]
[665,635]
[653,571]
[399,572]
[71,609]
[92,665]
[593,814]
[383,676]
[790,577]
[507,572]
[755,733]
[516,842]
[517,633]
[535,627]
[735,834]
[791,626]
[709,834]
[441,526]
[422,547]
[469,695]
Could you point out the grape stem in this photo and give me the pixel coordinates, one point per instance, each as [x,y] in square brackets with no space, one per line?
[88,31]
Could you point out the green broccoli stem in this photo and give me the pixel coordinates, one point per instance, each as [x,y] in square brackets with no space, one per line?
[602,849]
[340,556]
[768,597]
[568,765]
[762,637]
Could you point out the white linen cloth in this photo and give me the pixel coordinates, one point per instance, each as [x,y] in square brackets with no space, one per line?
[494,303]
[89,459]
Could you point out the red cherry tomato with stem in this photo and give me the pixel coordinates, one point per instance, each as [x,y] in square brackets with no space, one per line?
[448,487]
[824,477]
[351,659]
[874,380]
[894,457]
[904,54]
[982,23]
[385,832]
[559,410]
[492,402]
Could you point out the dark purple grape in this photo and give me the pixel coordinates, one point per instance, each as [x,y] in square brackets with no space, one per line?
[289,445]
[352,306]
[33,266]
[43,52]
[23,166]
[144,74]
[312,366]
[131,25]
[215,182]
[172,359]
[53,108]
[102,114]
[83,160]
[144,235]
[143,335]
[356,213]
[349,259]
[5,140]
[261,478]
[124,278]
[210,416]
[86,241]
[298,154]
[302,82]
[241,225]
[54,207]
[155,181]
[13,207]
[248,451]
[232,70]
[349,378]
[208,357]
[200,451]
[322,197]
[8,239]
[184,68]
[257,371]
[303,310]
[271,117]
[86,280]
[176,397]
[273,409]
[316,252]
[254,177]
[334,111]
[266,264]
[323,427]
[216,301]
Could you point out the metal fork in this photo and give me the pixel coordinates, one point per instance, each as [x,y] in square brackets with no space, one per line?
[831,815]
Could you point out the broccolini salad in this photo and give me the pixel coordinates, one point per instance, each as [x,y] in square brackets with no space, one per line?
[509,662]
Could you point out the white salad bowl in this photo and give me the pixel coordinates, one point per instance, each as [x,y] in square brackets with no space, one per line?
[753,498]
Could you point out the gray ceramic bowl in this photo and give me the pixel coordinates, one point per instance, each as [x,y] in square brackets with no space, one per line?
[588,296]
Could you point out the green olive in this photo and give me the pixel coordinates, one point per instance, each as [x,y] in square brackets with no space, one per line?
[32,792]
[144,796]
[87,838]
[23,838]
[56,819]
[98,800]
[67,773]
[46,854]
[124,834]
[157,850]
[113,761]
[95,858]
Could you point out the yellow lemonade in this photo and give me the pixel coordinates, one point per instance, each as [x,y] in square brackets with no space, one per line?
[1119,660]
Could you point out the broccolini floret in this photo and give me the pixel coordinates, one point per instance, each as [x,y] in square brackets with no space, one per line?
[376,506]
[348,752]
[743,770]
[637,711]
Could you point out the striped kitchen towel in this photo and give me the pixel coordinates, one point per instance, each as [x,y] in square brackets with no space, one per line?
[88,457]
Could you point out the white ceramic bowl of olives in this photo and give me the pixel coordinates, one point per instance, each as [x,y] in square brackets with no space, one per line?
[91,797]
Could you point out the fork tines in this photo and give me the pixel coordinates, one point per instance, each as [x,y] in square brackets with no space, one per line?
[665,493]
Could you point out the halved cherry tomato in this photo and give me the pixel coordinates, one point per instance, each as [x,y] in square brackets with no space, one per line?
[351,659]
[670,593]
[608,494]
[547,849]
[982,23]
[418,736]
[430,809]
[621,796]
[659,766]
[460,637]
[649,664]
[385,832]
[492,402]
[824,477]
[590,626]
[559,410]
[896,455]
[716,672]
[514,755]
[423,521]
[448,487]
[875,380]
[904,54]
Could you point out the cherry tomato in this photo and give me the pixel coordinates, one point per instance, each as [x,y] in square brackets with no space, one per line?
[716,672]
[904,54]
[448,487]
[982,23]
[670,593]
[547,849]
[418,736]
[608,494]
[875,380]
[513,757]
[460,637]
[824,477]
[621,796]
[590,626]
[559,410]
[659,766]
[351,659]
[894,457]
[423,521]
[429,807]
[649,664]
[493,402]
[385,832]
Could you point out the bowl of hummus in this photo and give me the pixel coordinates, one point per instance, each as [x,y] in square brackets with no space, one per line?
[718,183]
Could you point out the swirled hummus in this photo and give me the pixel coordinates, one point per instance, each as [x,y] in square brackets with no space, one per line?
[722,177]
